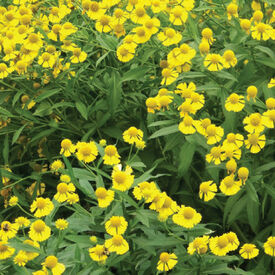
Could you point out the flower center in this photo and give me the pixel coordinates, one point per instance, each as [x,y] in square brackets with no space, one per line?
[117,240]
[141,32]
[115,221]
[228,55]
[272,243]
[101,193]
[222,242]
[140,12]
[86,151]
[120,177]
[110,150]
[170,33]
[66,144]
[133,132]
[164,257]
[40,203]
[62,188]
[204,188]
[33,38]
[253,139]
[229,181]
[211,130]
[188,213]
[231,138]
[188,120]
[234,98]
[39,226]
[255,119]
[3,67]
[166,73]
[54,11]
[123,51]
[77,52]
[216,152]
[3,248]
[51,262]
[104,20]
[56,29]
[215,59]
[205,123]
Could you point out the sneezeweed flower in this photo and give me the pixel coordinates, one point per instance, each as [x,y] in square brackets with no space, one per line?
[201,125]
[139,15]
[199,245]
[116,225]
[243,173]
[104,197]
[255,123]
[33,42]
[269,246]
[231,166]
[233,241]
[255,142]
[232,152]
[145,190]
[208,190]
[61,224]
[98,253]
[261,31]
[5,250]
[67,147]
[103,23]
[56,165]
[213,62]
[169,37]
[204,47]
[251,92]
[245,25]
[8,230]
[178,15]
[197,101]
[186,108]
[4,70]
[269,118]
[249,251]
[42,207]
[31,255]
[164,101]
[229,186]
[167,261]
[93,239]
[22,222]
[168,76]
[86,151]
[39,190]
[234,103]
[270,103]
[103,142]
[141,35]
[186,217]
[166,207]
[233,140]
[132,135]
[229,59]
[111,156]
[219,245]
[207,36]
[63,191]
[140,144]
[72,198]
[21,258]
[65,178]
[125,53]
[51,263]
[13,201]
[152,25]
[186,90]
[216,155]
[187,125]
[271,83]
[122,180]
[78,56]
[232,10]
[151,104]
[39,231]
[117,244]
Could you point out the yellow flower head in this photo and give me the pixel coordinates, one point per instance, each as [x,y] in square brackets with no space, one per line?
[5,250]
[125,52]
[117,244]
[269,246]
[111,156]
[219,245]
[208,190]
[169,37]
[31,255]
[229,59]
[145,190]
[229,186]
[39,231]
[21,258]
[251,92]
[216,155]
[86,151]
[187,125]
[232,240]
[213,62]
[255,142]
[61,224]
[232,10]
[56,165]
[199,245]
[122,180]
[132,135]
[63,191]
[67,147]
[13,201]
[22,222]
[42,207]
[104,197]
[8,230]
[116,225]
[249,251]
[167,261]
[98,253]
[186,217]
[51,263]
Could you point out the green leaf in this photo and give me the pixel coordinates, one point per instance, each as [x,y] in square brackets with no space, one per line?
[193,27]
[266,51]
[236,210]
[270,190]
[135,74]
[82,109]
[43,109]
[265,167]
[251,192]
[46,94]
[226,75]
[108,42]
[42,134]
[165,131]
[185,157]
[127,198]
[6,149]
[101,58]
[252,209]
[266,62]
[162,122]
[17,134]
[86,187]
[115,92]
[5,112]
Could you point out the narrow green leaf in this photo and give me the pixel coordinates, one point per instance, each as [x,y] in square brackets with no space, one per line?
[185,157]
[46,94]
[165,131]
[6,150]
[17,134]
[82,109]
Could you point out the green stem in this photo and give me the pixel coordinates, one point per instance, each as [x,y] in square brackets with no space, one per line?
[22,209]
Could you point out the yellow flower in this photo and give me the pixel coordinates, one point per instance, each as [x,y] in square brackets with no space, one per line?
[204,47]
[166,206]
[78,56]
[63,191]
[216,155]
[39,191]
[122,180]
[13,201]
[111,156]
[145,190]
[199,245]
[213,62]
[249,251]
[232,10]
[139,15]
[56,165]
[72,198]
[21,67]
[169,37]
[42,207]
[201,125]
[8,230]
[233,140]
[219,245]
[51,262]
[152,25]
[39,231]
[4,70]
[141,35]
[66,30]
[104,197]
[186,217]
[34,42]
[243,173]
[151,104]
[167,261]
[208,190]
[86,151]
[271,83]
[116,225]
[55,32]
[207,36]
[95,10]
[46,60]
[31,255]
[21,258]
[22,222]
[93,239]
[229,186]
[231,166]
[132,135]
[178,15]
[5,250]
[257,16]
[187,125]
[67,147]
[232,151]
[255,142]
[245,25]
[270,103]
[125,53]
[261,31]
[255,123]
[251,92]
[232,240]
[186,90]
[117,244]
[103,23]
[269,246]
[168,76]
[98,253]
[213,134]
[61,224]
[229,59]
